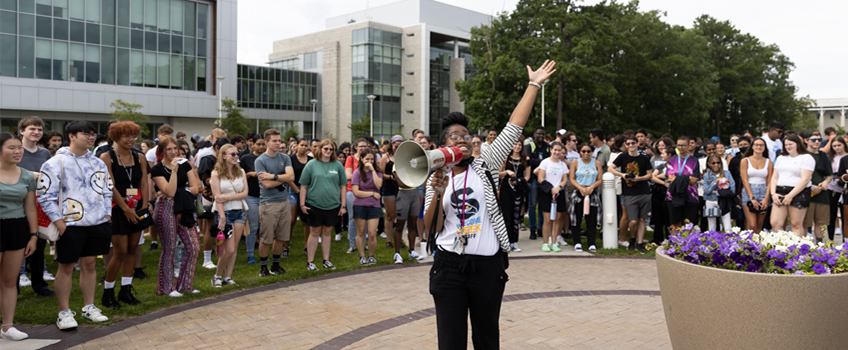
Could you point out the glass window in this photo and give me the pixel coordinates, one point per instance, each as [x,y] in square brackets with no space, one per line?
[123,37]
[92,64]
[11,5]
[26,57]
[108,12]
[164,67]
[27,6]
[8,22]
[92,11]
[123,63]
[136,68]
[176,17]
[188,73]
[149,15]
[201,48]
[77,31]
[150,41]
[176,72]
[123,13]
[60,8]
[164,16]
[60,29]
[201,74]
[92,33]
[189,19]
[189,47]
[43,55]
[78,9]
[60,60]
[202,17]
[176,44]
[8,56]
[164,43]
[77,63]
[108,35]
[26,25]
[137,14]
[149,69]
[44,7]
[107,68]
[137,39]
[43,27]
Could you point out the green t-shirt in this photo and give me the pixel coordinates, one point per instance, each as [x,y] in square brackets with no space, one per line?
[323,181]
[823,170]
[12,196]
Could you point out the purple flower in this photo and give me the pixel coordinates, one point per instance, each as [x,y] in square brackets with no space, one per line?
[820,269]
[804,249]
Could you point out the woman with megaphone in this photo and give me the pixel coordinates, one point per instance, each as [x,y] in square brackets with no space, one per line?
[470,239]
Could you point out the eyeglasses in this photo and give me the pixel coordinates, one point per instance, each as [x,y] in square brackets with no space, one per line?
[475,143]
[572,140]
[457,137]
[232,154]
[715,163]
[586,151]
[734,140]
[327,148]
[630,143]
[683,146]
[90,135]
[815,139]
[779,131]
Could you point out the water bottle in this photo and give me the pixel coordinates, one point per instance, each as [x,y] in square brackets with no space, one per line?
[553,211]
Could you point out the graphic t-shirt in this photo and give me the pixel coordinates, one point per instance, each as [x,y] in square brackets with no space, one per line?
[686,166]
[323,180]
[464,204]
[639,166]
[554,171]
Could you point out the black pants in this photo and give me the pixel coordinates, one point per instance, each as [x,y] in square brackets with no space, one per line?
[36,266]
[468,283]
[591,224]
[834,206]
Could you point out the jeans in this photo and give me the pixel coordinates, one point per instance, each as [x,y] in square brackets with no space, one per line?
[351,222]
[532,200]
[253,222]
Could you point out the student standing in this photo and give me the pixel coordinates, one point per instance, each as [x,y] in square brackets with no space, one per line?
[275,171]
[229,188]
[322,197]
[790,185]
[248,164]
[635,170]
[366,182]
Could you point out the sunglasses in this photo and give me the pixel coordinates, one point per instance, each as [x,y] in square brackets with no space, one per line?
[327,148]
[232,154]
[715,163]
[815,139]
[585,151]
[630,143]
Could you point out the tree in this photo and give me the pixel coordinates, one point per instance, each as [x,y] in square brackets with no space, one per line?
[361,128]
[291,132]
[234,122]
[125,111]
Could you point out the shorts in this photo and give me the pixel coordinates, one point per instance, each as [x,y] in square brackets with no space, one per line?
[320,217]
[408,204]
[232,216]
[15,234]
[676,215]
[801,200]
[422,190]
[638,206]
[367,213]
[545,202]
[83,241]
[759,191]
[274,222]
[294,198]
[818,214]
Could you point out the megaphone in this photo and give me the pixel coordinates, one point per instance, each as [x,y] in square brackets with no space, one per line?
[413,163]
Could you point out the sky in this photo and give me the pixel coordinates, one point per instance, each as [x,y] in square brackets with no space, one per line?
[807,32]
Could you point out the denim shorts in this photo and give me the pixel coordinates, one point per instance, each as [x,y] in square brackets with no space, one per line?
[759,191]
[294,198]
[367,213]
[233,216]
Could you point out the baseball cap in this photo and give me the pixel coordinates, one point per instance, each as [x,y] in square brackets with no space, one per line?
[196,138]
[561,132]
[397,138]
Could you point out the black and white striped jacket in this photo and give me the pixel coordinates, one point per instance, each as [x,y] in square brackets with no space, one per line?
[489,163]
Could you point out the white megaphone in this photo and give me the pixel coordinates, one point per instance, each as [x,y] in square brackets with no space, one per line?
[413,163]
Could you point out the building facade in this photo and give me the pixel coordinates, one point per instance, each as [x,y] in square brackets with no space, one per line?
[830,112]
[407,55]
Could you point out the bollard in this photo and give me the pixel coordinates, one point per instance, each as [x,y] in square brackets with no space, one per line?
[610,212]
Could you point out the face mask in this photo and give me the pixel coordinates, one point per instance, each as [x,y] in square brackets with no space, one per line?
[743,150]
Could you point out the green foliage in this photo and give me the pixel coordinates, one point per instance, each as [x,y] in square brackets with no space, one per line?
[125,111]
[234,122]
[360,128]
[289,133]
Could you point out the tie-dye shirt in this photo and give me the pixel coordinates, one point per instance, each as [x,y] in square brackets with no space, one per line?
[86,189]
[689,167]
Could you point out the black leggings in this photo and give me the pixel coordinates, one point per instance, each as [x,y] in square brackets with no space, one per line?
[591,223]
[834,205]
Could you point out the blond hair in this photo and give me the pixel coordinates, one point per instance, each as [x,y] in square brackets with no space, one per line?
[225,171]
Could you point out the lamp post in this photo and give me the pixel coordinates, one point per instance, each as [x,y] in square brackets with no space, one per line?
[371,98]
[220,83]
[313,101]
[543,101]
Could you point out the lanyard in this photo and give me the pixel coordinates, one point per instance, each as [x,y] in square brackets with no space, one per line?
[679,168]
[464,194]
[129,173]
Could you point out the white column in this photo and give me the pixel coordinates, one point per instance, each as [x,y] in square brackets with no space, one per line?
[821,120]
[842,117]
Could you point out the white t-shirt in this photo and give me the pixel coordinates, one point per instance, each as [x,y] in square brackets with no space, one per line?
[151,155]
[774,147]
[554,171]
[202,153]
[480,234]
[789,169]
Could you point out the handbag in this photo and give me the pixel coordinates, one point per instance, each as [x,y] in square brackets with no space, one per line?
[47,230]
[145,220]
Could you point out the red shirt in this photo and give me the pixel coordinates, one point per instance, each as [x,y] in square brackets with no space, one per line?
[351,163]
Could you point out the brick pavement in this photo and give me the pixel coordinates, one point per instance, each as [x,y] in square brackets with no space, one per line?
[324,312]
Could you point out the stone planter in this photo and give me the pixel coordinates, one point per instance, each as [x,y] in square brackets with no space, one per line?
[709,308]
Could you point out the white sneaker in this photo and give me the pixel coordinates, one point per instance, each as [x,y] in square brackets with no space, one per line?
[414,255]
[351,250]
[25,282]
[398,258]
[592,249]
[13,334]
[319,240]
[76,267]
[338,237]
[578,248]
[561,241]
[195,291]
[66,320]
[624,244]
[176,273]
[514,247]
[838,231]
[94,314]
[209,265]
[48,276]
[383,235]
[175,294]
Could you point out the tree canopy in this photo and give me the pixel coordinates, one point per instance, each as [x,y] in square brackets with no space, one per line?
[234,122]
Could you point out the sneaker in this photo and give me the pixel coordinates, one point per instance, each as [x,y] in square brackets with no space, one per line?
[175,294]
[632,244]
[555,248]
[217,282]
[285,253]
[13,334]
[624,244]
[592,249]
[414,255]
[389,245]
[76,267]
[153,246]
[195,291]
[363,260]
[139,273]
[25,282]
[641,248]
[338,237]
[209,265]
[372,260]
[319,240]
[45,292]
[93,314]
[48,276]
[251,260]
[532,234]
[546,248]
[398,259]
[311,267]
[351,250]
[264,273]
[329,265]
[66,320]
[578,248]
[514,247]
[304,251]
[383,235]
[561,241]
[231,282]
[277,270]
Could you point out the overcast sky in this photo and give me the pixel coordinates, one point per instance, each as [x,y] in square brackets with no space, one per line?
[807,32]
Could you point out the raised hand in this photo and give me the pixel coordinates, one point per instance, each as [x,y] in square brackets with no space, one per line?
[543,73]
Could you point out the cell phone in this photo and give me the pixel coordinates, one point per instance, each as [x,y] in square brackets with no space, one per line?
[182,160]
[630,176]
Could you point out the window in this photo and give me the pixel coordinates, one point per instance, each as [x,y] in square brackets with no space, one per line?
[8,22]
[176,72]
[8,56]
[107,37]
[150,15]
[60,8]
[60,60]
[164,67]
[410,112]
[76,65]
[136,14]
[410,34]
[310,60]
[26,57]
[92,64]
[201,74]
[410,73]
[77,31]
[107,65]
[43,56]
[149,69]
[92,11]
[202,18]
[43,27]
[164,16]
[410,94]
[60,29]
[136,68]
[123,63]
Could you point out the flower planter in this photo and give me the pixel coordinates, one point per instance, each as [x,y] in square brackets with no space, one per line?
[711,308]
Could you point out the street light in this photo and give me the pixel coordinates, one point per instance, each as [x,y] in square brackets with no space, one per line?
[313,101]
[220,83]
[371,98]
[543,101]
